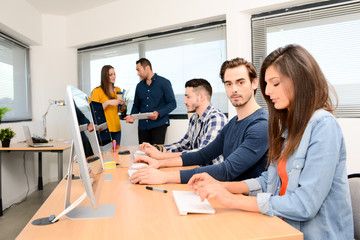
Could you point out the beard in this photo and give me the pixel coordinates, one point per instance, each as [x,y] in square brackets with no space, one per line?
[192,108]
[239,103]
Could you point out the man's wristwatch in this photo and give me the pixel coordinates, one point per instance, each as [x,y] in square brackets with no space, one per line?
[158,147]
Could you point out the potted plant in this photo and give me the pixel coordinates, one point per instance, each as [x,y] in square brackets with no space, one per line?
[3,110]
[6,134]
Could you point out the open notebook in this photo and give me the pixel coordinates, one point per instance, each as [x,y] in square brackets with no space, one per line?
[189,202]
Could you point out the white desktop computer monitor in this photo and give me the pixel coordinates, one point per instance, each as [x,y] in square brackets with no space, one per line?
[85,148]
[82,130]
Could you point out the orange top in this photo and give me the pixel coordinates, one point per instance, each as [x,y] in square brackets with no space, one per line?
[281,168]
[111,112]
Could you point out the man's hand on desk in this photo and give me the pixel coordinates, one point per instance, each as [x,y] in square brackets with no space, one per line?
[153,163]
[144,146]
[148,175]
[153,151]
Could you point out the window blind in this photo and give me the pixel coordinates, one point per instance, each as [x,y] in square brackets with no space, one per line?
[14,79]
[330,32]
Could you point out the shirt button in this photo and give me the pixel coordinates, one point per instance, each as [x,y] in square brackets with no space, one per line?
[147,98]
[147,105]
[278,187]
[297,166]
[147,120]
[148,90]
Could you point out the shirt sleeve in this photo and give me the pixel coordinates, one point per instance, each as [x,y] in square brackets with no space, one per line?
[169,99]
[255,186]
[95,95]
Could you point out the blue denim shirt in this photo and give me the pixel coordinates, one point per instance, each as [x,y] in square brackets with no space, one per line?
[159,96]
[317,200]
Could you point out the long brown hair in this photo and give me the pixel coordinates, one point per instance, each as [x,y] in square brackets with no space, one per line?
[105,80]
[310,93]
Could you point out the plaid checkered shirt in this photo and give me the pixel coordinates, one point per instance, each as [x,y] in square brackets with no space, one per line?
[201,131]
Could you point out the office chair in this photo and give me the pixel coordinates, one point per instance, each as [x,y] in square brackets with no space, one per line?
[354,184]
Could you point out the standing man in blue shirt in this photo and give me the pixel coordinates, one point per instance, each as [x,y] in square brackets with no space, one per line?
[153,94]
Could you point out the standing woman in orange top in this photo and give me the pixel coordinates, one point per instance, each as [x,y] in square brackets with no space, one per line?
[106,94]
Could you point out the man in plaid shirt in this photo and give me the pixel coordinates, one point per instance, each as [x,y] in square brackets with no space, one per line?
[204,125]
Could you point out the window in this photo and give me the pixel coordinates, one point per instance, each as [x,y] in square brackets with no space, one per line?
[14,79]
[330,32]
[179,56]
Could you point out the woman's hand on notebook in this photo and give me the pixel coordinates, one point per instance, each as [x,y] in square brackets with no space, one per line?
[200,180]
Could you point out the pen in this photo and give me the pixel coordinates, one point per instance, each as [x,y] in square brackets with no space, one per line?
[156,189]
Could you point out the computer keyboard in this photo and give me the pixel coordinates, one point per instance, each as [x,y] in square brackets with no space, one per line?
[39,140]
[189,202]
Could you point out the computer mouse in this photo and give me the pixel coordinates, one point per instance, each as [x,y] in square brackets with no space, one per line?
[138,165]
[139,153]
[131,171]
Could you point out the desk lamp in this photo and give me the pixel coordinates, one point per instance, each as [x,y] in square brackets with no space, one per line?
[51,102]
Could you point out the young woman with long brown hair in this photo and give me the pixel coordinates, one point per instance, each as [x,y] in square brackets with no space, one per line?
[306,180]
[106,94]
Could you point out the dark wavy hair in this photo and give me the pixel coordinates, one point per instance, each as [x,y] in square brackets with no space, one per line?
[298,68]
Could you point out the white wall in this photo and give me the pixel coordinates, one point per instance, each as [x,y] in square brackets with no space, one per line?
[21,21]
[54,40]
[53,66]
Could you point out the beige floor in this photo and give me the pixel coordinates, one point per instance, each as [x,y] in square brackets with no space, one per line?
[15,218]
